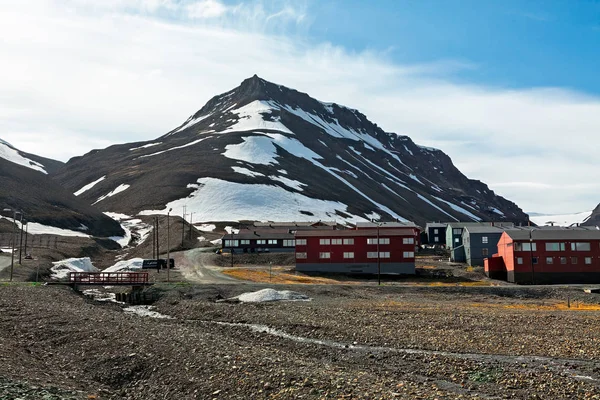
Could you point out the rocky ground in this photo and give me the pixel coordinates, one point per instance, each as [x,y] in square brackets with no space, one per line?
[363,342]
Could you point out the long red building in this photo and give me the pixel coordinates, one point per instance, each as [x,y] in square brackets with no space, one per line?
[356,251]
[539,256]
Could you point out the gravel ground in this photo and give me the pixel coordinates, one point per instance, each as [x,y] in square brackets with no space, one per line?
[357,342]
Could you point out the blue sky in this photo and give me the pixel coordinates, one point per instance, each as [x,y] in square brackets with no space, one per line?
[508,89]
[508,43]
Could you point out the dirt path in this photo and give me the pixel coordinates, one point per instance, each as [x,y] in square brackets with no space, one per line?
[4,261]
[196,266]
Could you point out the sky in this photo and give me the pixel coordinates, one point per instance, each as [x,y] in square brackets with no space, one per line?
[509,89]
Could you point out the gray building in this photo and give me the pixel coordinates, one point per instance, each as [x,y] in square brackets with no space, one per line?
[436,233]
[454,236]
[480,242]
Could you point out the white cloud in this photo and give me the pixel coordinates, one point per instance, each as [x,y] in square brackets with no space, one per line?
[85,74]
[206,9]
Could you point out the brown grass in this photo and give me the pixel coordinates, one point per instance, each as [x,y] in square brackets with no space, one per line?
[556,306]
[279,275]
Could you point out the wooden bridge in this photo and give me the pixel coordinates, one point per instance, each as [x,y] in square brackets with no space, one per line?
[109,278]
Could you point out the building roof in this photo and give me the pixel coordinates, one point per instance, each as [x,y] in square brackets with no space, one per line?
[409,224]
[468,224]
[554,234]
[260,234]
[356,233]
[436,225]
[486,229]
[272,224]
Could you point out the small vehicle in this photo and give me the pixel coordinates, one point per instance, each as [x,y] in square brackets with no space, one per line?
[28,257]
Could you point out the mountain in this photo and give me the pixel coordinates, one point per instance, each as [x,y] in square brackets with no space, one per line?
[594,217]
[25,185]
[266,152]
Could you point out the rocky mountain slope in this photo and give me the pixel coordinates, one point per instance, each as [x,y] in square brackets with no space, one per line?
[266,152]
[25,185]
[594,218]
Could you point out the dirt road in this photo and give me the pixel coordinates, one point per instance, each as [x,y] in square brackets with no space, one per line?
[197,266]
[4,261]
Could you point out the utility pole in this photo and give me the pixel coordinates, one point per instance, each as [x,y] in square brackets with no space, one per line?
[157,244]
[231,243]
[168,246]
[183,225]
[21,242]
[26,232]
[12,253]
[378,261]
[191,216]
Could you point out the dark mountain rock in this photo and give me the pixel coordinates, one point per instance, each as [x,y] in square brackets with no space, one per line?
[594,219]
[43,200]
[264,151]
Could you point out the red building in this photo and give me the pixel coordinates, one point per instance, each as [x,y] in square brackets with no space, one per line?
[540,256]
[356,251]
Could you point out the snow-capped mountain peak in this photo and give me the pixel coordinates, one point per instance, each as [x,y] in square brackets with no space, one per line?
[263,149]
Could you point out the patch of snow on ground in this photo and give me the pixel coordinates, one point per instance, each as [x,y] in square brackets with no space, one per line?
[219,200]
[282,171]
[61,269]
[459,209]
[146,146]
[251,118]
[436,188]
[269,294]
[34,228]
[288,182]
[201,238]
[145,311]
[11,154]
[206,227]
[89,186]
[428,148]
[246,171]
[230,229]
[408,150]
[99,295]
[216,242]
[129,225]
[122,187]
[135,264]
[560,219]
[117,216]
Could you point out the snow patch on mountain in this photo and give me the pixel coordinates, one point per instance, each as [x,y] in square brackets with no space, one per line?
[11,154]
[250,118]
[122,187]
[246,171]
[459,209]
[34,228]
[176,147]
[145,146]
[219,200]
[291,183]
[560,219]
[89,186]
[190,122]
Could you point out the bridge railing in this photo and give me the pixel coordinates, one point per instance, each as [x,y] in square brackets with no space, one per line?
[109,278]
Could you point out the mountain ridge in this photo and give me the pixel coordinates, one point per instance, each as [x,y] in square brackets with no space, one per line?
[305,153]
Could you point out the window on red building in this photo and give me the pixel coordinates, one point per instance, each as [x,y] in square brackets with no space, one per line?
[408,254]
[573,260]
[519,260]
[348,254]
[325,255]
[555,247]
[581,246]
[408,241]
[300,242]
[324,241]
[588,260]
[563,260]
[336,241]
[349,241]
[549,260]
[300,255]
